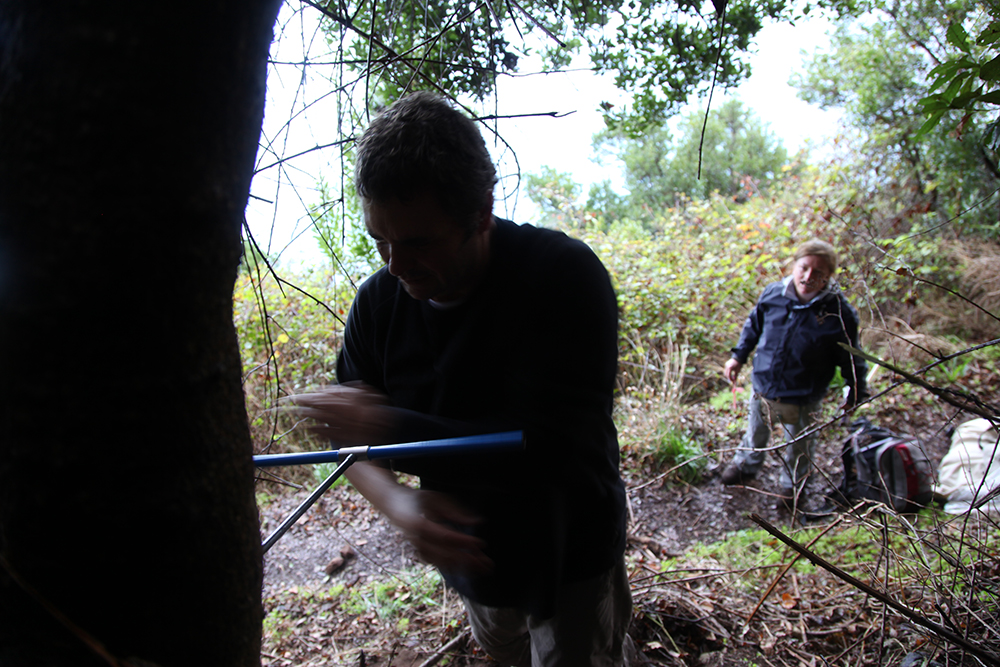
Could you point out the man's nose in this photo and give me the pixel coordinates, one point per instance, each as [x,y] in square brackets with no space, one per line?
[397,259]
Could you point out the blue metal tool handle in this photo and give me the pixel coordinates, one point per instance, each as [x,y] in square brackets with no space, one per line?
[508,440]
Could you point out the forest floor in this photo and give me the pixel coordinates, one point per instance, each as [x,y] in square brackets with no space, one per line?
[343,588]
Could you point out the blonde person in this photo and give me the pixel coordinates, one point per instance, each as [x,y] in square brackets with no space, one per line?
[797,328]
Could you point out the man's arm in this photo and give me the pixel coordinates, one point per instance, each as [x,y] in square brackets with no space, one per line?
[432,522]
[748,341]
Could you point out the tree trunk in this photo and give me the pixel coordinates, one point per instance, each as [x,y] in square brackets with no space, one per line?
[128,528]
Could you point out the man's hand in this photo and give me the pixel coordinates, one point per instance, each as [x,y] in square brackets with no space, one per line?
[347,414]
[434,523]
[732,369]
[437,527]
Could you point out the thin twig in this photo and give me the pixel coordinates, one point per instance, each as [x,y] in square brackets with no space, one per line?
[786,568]
[711,90]
[440,653]
[961,400]
[914,616]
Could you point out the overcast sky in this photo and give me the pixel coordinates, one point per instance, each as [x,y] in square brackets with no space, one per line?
[277,210]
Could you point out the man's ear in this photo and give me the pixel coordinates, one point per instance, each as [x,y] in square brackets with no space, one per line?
[485,216]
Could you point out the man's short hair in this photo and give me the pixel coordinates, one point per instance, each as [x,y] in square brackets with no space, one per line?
[819,249]
[423,144]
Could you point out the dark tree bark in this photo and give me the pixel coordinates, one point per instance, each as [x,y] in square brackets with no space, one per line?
[128,131]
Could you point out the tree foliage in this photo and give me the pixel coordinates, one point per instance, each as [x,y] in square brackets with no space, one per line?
[556,195]
[660,52]
[969,79]
[877,71]
[337,228]
[731,153]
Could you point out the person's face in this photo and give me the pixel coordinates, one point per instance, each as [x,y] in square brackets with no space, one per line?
[810,274]
[430,253]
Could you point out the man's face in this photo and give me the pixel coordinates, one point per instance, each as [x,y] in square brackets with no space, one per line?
[810,274]
[433,256]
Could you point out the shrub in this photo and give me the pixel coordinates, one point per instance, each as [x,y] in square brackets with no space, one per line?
[289,328]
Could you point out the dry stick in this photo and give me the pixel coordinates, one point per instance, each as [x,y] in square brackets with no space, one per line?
[816,428]
[538,24]
[985,656]
[664,474]
[885,610]
[444,649]
[785,569]
[961,400]
[711,574]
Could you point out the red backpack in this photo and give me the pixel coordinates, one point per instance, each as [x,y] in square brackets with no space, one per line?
[885,467]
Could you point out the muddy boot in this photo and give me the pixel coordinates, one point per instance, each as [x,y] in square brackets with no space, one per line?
[732,474]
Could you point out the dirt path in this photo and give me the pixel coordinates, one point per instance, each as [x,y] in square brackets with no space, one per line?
[663,517]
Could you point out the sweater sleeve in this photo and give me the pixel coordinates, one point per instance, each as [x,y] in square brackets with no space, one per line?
[853,368]
[750,335]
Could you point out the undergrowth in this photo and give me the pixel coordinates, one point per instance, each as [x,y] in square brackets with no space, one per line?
[924,572]
[686,280]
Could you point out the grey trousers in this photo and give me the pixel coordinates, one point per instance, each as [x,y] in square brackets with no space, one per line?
[794,419]
[587,630]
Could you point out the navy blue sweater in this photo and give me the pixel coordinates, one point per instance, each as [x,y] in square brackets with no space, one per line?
[798,347]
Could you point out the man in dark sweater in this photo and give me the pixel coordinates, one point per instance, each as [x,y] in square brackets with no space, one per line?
[797,327]
[478,325]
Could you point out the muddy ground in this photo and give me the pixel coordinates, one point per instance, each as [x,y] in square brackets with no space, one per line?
[665,516]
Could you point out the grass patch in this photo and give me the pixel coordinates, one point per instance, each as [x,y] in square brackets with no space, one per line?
[391,598]
[675,448]
[851,547]
[323,470]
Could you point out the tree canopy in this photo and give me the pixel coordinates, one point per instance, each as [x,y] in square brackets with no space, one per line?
[729,152]
[732,153]
[878,72]
[660,52]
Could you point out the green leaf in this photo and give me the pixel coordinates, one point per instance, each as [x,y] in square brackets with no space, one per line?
[945,69]
[934,103]
[991,70]
[957,36]
[963,101]
[990,34]
[944,72]
[991,98]
[956,85]
[929,124]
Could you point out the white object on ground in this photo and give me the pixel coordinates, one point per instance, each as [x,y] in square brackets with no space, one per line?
[971,468]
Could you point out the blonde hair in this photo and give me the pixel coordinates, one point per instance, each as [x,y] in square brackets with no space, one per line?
[818,248]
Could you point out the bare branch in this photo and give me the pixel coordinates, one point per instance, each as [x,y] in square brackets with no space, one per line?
[914,616]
